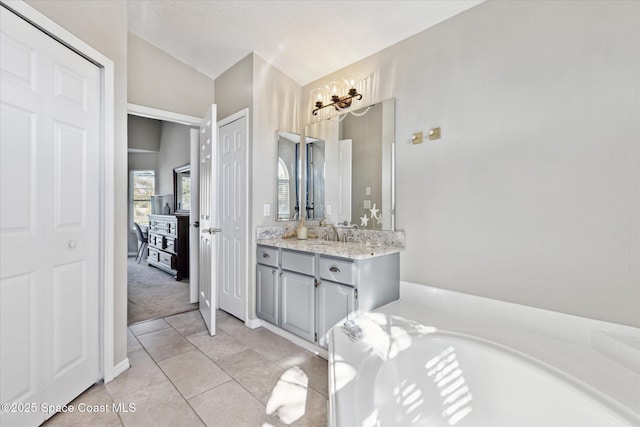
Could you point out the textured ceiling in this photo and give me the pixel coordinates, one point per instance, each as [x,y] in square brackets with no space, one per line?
[305,39]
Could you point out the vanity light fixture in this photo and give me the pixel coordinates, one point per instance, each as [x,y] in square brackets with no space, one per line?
[338,94]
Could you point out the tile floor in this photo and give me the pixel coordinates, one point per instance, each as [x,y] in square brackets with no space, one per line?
[181,376]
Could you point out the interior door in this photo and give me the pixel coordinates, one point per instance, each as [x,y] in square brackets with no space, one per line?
[209,221]
[50,103]
[233,142]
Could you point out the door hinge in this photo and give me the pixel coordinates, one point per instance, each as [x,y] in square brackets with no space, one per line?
[355,293]
[316,284]
[315,337]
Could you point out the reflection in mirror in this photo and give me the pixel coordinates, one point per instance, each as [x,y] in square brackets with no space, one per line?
[315,178]
[287,185]
[359,166]
[182,189]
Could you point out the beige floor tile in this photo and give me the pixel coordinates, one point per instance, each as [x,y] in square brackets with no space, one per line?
[148,326]
[234,327]
[229,405]
[271,346]
[142,373]
[157,405]
[260,381]
[242,362]
[314,366]
[188,323]
[132,342]
[193,373]
[315,411]
[218,347]
[164,343]
[93,407]
[222,315]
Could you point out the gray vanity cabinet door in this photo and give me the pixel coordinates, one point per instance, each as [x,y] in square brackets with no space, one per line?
[267,291]
[298,304]
[336,303]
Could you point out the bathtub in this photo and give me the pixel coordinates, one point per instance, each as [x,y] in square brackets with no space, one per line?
[405,373]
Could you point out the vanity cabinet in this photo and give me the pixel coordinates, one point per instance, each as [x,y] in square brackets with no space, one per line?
[169,244]
[335,304]
[298,304]
[307,293]
[268,285]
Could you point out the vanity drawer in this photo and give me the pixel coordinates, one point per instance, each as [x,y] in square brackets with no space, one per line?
[267,256]
[154,255]
[300,262]
[337,270]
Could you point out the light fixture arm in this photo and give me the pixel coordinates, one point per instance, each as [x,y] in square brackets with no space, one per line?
[340,102]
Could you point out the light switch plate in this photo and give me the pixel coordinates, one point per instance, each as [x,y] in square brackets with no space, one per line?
[266,210]
[367,204]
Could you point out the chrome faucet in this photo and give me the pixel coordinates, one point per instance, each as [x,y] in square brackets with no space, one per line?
[333,232]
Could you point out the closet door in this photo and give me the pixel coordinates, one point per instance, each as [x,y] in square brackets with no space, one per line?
[49,221]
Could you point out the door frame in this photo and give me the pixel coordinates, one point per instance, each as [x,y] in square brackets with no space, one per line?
[244,113]
[183,119]
[107,178]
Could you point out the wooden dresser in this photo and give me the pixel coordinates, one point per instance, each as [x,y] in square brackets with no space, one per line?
[169,244]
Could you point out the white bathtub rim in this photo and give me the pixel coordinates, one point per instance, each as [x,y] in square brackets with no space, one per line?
[625,414]
[568,344]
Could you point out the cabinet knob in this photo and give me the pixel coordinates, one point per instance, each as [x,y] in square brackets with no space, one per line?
[72,244]
[334,270]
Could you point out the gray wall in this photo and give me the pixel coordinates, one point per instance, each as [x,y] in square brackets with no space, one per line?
[143,133]
[174,152]
[533,193]
[159,80]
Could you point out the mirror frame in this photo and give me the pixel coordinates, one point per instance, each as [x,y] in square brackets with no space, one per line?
[176,171]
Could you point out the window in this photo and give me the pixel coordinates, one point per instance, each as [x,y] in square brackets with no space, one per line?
[284,200]
[143,185]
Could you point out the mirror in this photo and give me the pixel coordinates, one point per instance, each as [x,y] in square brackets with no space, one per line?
[288,184]
[182,189]
[315,178]
[358,156]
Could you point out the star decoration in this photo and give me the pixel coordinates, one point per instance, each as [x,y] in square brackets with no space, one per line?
[364,220]
[374,212]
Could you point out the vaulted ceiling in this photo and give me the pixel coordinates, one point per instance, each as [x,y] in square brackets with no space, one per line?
[306,39]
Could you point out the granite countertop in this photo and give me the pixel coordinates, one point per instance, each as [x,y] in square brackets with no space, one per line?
[351,250]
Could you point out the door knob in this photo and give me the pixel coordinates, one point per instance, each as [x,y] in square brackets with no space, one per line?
[211,230]
[72,244]
[196,224]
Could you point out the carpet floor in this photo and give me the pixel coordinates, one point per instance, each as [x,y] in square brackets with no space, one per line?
[153,294]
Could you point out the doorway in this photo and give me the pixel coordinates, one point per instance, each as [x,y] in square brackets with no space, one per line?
[159,276]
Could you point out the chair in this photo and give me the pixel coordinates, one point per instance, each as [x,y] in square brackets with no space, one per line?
[142,241]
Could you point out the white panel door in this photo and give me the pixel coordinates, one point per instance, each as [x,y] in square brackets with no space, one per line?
[233,212]
[49,220]
[208,263]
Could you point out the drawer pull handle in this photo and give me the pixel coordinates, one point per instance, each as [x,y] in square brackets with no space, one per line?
[334,270]
[265,256]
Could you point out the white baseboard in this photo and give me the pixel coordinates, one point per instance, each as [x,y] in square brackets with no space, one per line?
[297,340]
[121,367]
[253,323]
